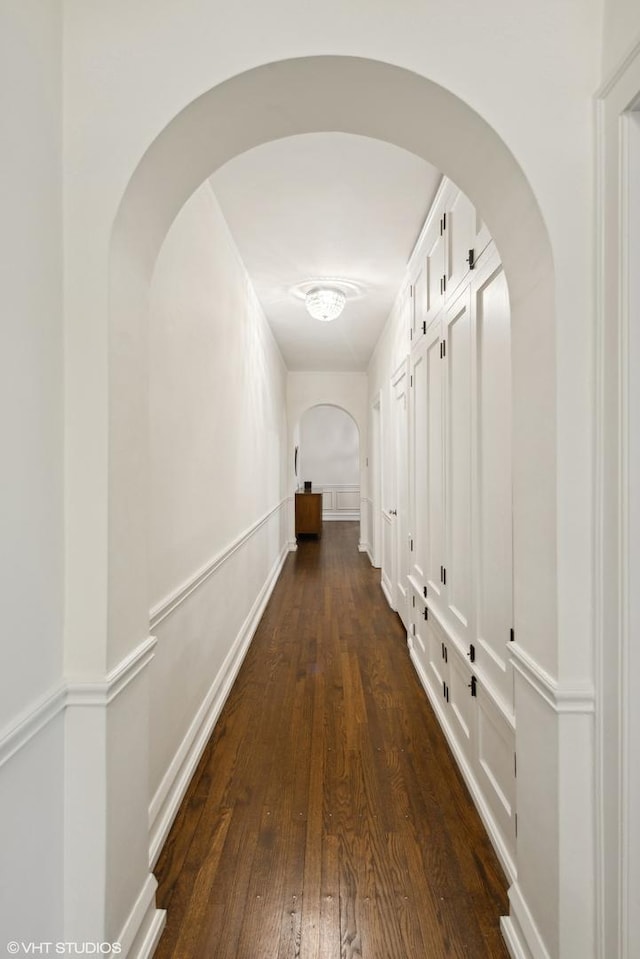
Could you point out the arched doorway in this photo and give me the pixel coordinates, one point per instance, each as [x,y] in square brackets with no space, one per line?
[330,459]
[372,99]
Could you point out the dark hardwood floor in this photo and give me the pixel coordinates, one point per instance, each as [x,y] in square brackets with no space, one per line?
[327,819]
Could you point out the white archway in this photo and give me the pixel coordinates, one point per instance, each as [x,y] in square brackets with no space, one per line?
[374,99]
[337,489]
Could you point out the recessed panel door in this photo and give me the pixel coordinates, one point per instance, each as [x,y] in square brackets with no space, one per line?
[458,573]
[494,486]
[400,400]
[418,523]
[434,543]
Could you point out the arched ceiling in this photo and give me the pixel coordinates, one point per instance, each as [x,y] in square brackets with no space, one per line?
[326,205]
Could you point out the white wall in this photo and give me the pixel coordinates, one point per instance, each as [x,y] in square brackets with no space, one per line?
[217,398]
[330,448]
[31,509]
[218,438]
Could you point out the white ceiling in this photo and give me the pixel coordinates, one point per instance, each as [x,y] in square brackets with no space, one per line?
[326,205]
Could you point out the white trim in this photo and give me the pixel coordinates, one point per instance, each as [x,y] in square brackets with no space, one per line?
[484,811]
[143,920]
[74,693]
[101,693]
[618,74]
[170,793]
[29,723]
[334,516]
[615,97]
[167,605]
[563,698]
[386,590]
[520,931]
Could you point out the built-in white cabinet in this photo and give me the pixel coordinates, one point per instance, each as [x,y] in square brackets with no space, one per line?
[460,590]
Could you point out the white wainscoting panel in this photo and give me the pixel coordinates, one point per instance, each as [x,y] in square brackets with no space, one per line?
[340,502]
[202,641]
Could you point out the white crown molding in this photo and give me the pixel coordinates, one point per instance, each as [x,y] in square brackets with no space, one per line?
[562,697]
[171,602]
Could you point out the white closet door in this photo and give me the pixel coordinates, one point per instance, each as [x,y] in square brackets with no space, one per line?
[434,494]
[418,524]
[493,489]
[400,390]
[458,575]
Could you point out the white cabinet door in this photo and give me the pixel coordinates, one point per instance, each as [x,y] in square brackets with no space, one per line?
[419,301]
[462,702]
[460,235]
[435,271]
[458,571]
[493,496]
[400,390]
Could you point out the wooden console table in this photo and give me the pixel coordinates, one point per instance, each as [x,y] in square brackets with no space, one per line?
[309,513]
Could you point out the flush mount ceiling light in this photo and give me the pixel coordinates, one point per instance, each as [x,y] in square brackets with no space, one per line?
[325,296]
[325,303]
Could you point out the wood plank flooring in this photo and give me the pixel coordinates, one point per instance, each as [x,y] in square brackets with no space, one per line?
[327,819]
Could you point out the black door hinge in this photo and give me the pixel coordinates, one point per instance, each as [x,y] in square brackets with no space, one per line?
[424,326]
[512,635]
[426,612]
[472,653]
[411,381]
[411,544]
[473,686]
[471,259]
[424,589]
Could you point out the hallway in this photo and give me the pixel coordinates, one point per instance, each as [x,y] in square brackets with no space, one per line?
[327,819]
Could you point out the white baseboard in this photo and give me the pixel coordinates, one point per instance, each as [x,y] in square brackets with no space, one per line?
[350,516]
[479,801]
[170,793]
[387,592]
[143,928]
[520,931]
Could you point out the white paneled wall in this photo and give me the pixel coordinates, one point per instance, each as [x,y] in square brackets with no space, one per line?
[450,567]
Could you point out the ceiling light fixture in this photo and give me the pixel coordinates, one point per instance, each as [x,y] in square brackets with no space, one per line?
[325,303]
